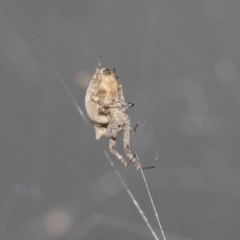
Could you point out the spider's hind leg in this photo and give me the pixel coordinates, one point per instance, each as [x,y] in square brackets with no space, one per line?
[126,144]
[112,147]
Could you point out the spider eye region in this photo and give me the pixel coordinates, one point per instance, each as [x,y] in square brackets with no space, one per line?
[107,71]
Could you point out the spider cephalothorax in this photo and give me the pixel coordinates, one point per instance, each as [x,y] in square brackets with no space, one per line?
[106,106]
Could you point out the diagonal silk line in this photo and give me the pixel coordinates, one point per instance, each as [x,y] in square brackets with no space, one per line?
[151,199]
[62,81]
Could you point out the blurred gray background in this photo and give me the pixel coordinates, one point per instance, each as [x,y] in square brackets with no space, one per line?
[178,60]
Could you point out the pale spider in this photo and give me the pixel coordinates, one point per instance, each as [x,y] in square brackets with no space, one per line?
[106,106]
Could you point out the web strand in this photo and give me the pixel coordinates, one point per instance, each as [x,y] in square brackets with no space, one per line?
[110,161]
[62,81]
[132,197]
[151,199]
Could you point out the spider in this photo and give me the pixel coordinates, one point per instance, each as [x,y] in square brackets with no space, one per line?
[106,106]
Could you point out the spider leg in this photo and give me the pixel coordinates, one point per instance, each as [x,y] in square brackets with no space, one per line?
[97,69]
[129,105]
[99,63]
[120,90]
[145,168]
[126,144]
[112,145]
[134,129]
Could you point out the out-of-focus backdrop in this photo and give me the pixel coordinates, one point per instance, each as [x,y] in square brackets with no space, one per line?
[178,60]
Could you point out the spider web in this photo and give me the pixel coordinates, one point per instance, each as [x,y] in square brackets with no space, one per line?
[135,202]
